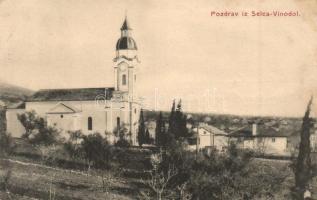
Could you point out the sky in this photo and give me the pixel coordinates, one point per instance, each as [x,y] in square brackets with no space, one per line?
[232,65]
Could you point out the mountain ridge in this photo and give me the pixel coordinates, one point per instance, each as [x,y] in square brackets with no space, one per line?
[10,93]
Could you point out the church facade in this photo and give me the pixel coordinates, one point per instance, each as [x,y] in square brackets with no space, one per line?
[102,110]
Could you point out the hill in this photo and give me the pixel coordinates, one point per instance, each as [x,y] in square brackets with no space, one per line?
[12,94]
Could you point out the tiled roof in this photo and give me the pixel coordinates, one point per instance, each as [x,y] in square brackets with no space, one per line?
[20,105]
[212,129]
[78,94]
[261,131]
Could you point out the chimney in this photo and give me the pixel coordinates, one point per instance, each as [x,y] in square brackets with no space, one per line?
[254,131]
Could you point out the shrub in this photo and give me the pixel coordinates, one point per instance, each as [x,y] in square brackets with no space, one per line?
[73,146]
[29,120]
[37,130]
[96,150]
[46,135]
[6,144]
[5,176]
[122,142]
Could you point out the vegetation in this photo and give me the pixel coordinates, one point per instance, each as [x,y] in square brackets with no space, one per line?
[159,180]
[122,133]
[177,122]
[36,129]
[141,130]
[6,144]
[96,150]
[177,129]
[303,169]
[160,131]
[73,146]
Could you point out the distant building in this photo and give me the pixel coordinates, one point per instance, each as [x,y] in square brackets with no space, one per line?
[295,139]
[208,136]
[14,127]
[91,109]
[151,125]
[262,139]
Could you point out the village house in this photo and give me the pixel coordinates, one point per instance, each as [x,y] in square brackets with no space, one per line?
[91,109]
[294,140]
[261,139]
[208,136]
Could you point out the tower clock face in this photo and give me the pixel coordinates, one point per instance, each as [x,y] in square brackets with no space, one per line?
[123,66]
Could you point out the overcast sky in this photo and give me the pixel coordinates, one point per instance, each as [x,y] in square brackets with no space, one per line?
[237,65]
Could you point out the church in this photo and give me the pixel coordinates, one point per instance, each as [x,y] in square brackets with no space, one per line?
[91,110]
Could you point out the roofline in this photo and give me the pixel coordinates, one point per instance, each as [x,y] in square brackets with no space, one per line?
[28,101]
[257,136]
[76,88]
[62,112]
[15,108]
[224,133]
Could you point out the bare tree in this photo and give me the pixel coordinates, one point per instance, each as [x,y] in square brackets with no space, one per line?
[159,179]
[183,192]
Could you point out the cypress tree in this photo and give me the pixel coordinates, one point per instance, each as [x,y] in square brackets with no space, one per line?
[160,132]
[303,171]
[141,131]
[180,129]
[171,121]
[147,137]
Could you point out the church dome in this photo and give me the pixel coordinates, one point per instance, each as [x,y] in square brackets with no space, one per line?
[126,43]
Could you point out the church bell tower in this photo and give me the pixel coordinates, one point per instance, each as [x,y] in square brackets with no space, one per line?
[125,63]
[125,95]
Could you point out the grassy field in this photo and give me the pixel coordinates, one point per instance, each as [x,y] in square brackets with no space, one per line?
[35,181]
[30,180]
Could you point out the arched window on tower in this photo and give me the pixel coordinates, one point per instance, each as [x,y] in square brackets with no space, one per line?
[89,123]
[124,79]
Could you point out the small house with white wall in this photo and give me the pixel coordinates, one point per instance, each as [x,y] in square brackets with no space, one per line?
[261,139]
[13,126]
[211,137]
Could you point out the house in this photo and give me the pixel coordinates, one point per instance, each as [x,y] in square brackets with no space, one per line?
[262,139]
[91,110]
[295,139]
[151,125]
[13,126]
[208,136]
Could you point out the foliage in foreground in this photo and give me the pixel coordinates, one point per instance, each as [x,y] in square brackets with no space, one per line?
[217,176]
[303,167]
[36,129]
[6,144]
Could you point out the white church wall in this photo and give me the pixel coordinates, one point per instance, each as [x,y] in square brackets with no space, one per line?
[104,118]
